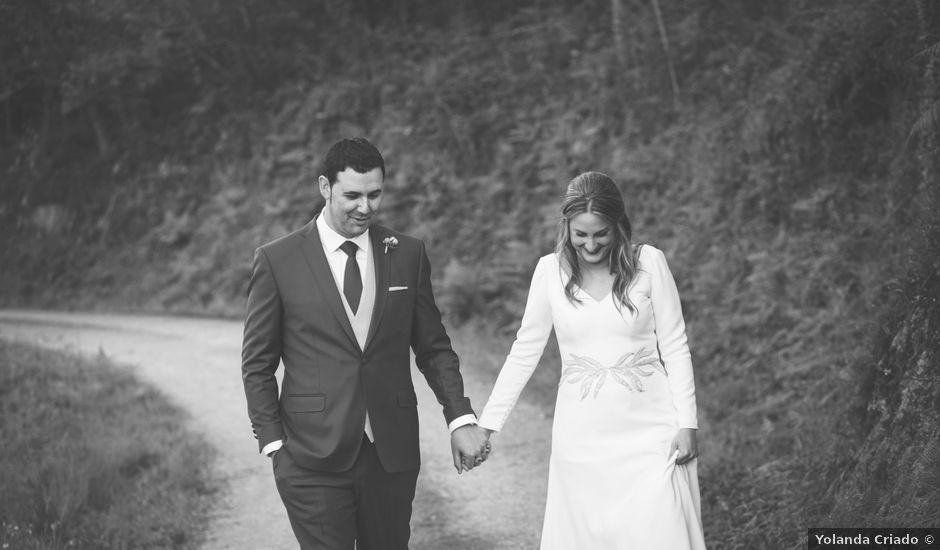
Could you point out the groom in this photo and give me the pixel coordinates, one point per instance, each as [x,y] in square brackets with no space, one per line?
[342,302]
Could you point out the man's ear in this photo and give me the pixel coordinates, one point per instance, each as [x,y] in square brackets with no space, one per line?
[324,185]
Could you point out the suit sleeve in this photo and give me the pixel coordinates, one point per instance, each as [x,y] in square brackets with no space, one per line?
[434,355]
[671,338]
[261,351]
[527,349]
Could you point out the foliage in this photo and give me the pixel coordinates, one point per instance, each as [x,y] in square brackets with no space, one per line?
[785,172]
[104,463]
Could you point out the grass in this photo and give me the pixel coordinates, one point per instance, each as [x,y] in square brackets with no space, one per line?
[93,458]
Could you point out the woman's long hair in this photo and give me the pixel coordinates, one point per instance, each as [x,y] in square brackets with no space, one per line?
[596,193]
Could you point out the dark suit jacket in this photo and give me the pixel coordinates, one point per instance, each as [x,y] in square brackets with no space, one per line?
[295,314]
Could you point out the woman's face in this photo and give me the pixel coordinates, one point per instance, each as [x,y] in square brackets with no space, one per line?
[591,238]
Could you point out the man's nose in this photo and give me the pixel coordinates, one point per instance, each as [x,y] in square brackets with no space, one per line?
[363,206]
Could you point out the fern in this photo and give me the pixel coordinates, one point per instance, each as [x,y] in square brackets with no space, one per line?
[931,51]
[928,121]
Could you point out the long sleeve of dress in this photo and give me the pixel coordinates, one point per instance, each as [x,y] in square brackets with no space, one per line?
[526,351]
[671,337]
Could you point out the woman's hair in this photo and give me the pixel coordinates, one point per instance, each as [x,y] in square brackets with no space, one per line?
[596,193]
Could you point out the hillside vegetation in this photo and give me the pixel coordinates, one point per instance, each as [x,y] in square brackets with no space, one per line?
[783,154]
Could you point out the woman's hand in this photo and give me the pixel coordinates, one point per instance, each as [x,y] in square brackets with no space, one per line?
[489,444]
[686,444]
[470,446]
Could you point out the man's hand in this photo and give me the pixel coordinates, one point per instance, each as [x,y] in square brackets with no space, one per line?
[470,447]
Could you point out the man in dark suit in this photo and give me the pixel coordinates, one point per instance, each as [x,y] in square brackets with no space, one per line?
[342,302]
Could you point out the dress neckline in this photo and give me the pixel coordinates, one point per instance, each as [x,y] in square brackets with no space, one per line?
[591,296]
[567,276]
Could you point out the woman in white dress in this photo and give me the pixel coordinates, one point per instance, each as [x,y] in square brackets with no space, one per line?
[622,473]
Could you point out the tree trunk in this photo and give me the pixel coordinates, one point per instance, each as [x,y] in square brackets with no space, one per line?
[101,139]
[927,15]
[619,32]
[664,38]
[38,153]
[8,117]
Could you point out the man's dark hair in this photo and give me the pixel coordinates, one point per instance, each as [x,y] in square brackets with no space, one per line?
[356,153]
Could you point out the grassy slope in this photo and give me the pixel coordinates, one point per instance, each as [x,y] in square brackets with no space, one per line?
[97,460]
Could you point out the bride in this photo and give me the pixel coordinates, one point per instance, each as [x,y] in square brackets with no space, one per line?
[622,473]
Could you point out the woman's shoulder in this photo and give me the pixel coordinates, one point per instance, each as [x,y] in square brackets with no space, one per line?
[548,260]
[649,256]
[547,264]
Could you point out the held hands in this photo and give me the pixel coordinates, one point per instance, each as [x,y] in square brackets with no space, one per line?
[470,446]
[686,444]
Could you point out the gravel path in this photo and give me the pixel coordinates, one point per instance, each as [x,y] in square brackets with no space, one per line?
[196,363]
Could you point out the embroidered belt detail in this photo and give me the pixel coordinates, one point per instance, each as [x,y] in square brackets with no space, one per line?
[627,371]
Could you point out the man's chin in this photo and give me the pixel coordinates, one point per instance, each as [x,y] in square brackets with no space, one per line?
[356,227]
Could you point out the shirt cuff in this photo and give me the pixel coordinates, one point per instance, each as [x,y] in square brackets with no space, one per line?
[271,447]
[461,421]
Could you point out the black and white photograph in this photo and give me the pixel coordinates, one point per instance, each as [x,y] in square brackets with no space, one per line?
[469,274]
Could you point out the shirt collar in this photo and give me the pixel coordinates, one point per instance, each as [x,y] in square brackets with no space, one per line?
[332,240]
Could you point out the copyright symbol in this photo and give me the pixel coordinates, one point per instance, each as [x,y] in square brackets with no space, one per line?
[928,539]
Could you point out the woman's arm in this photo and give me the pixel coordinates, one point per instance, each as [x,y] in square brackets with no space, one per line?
[526,351]
[671,337]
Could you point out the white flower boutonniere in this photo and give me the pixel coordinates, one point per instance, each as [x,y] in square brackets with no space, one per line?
[390,242]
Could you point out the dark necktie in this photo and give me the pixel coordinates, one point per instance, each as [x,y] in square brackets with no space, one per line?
[352,280]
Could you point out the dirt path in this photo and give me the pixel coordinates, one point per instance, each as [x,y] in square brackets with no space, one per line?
[196,363]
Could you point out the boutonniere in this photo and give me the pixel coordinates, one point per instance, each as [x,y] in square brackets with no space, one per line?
[390,242]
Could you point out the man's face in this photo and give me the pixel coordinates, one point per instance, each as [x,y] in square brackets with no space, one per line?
[352,200]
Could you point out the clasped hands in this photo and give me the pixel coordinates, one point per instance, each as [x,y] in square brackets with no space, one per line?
[470,446]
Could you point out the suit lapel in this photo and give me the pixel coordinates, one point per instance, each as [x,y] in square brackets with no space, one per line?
[381,260]
[323,277]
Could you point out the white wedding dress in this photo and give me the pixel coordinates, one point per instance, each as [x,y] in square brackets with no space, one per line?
[626,388]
